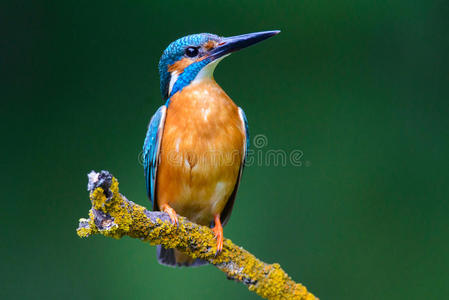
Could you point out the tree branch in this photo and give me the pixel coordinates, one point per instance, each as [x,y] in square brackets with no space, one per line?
[115,216]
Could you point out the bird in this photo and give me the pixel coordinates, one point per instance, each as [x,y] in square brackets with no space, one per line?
[197,142]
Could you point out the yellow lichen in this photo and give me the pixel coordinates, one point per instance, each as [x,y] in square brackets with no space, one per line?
[126,218]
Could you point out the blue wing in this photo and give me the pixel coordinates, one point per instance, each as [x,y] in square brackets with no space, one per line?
[151,148]
[245,121]
[226,213]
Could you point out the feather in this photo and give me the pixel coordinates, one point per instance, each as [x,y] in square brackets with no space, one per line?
[226,214]
[151,149]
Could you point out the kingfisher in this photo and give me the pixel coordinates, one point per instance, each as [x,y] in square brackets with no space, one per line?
[197,142]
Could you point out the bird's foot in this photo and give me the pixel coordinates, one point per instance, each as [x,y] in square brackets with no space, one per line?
[171,213]
[218,231]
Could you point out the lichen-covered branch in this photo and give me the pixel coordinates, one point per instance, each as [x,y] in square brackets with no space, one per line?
[115,216]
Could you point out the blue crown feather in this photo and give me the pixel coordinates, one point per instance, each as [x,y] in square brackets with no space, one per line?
[175,52]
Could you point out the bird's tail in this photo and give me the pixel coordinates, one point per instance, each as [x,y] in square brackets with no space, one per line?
[175,258]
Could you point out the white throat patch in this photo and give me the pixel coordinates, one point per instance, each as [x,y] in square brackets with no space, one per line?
[208,71]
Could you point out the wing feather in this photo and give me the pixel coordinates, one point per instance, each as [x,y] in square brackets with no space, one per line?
[226,213]
[151,149]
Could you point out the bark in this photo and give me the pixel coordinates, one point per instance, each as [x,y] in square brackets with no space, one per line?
[115,216]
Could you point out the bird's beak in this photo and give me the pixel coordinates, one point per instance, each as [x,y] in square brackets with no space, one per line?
[231,44]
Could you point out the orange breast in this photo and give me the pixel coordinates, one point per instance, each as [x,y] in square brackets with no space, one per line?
[201,152]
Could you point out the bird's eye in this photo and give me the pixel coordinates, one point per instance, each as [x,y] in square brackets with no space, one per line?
[191,51]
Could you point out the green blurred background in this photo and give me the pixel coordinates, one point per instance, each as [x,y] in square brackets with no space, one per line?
[361,87]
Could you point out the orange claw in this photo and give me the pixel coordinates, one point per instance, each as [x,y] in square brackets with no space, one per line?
[171,213]
[218,231]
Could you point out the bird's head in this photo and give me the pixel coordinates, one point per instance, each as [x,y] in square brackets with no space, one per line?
[196,56]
